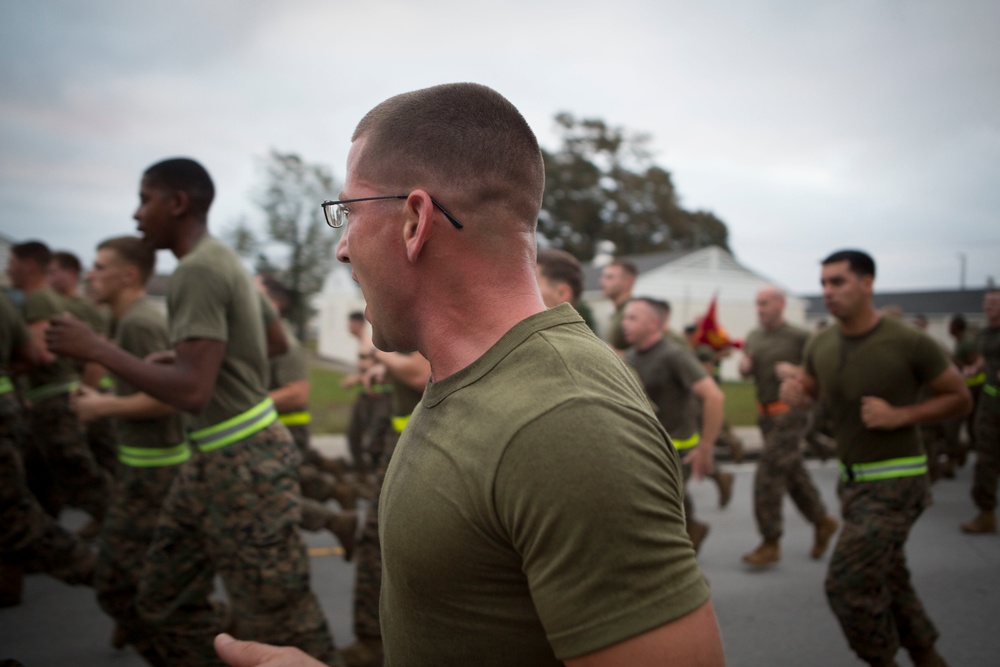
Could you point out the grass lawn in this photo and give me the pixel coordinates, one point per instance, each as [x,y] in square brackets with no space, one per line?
[331,405]
[741,403]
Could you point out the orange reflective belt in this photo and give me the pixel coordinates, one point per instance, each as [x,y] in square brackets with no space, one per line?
[773,409]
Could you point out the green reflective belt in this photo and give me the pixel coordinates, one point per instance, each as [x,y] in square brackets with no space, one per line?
[295,418]
[6,386]
[991,390]
[49,390]
[107,382]
[153,457]
[976,380]
[239,427]
[399,423]
[687,443]
[909,466]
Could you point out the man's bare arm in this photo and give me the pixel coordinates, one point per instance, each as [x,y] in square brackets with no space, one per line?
[702,459]
[291,397]
[690,641]
[411,369]
[187,384]
[89,405]
[951,399]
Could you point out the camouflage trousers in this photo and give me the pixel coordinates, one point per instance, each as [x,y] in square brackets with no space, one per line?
[368,554]
[234,512]
[868,583]
[62,469]
[367,430]
[987,471]
[27,532]
[781,469]
[129,525]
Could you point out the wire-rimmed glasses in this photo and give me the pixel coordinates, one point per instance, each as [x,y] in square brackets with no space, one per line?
[336,213]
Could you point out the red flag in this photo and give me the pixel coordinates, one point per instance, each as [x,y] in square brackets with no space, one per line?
[711,333]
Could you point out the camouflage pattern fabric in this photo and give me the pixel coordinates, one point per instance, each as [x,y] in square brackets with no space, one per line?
[100,437]
[987,470]
[27,533]
[127,531]
[76,478]
[368,553]
[366,430]
[234,512]
[780,469]
[868,583]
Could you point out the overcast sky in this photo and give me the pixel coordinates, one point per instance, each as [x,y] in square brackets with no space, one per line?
[806,126]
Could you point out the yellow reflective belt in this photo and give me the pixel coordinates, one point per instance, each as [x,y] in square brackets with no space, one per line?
[239,427]
[50,390]
[908,466]
[295,418]
[399,423]
[153,457]
[976,380]
[6,386]
[991,390]
[382,388]
[687,443]
[106,382]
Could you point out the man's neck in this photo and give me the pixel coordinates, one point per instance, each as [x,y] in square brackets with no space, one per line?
[188,237]
[649,341]
[33,284]
[124,300]
[861,323]
[622,298]
[775,326]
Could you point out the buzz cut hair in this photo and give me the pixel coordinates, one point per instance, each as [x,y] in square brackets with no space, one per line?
[561,267]
[661,307]
[462,137]
[33,251]
[67,261]
[627,265]
[133,251]
[858,261]
[185,175]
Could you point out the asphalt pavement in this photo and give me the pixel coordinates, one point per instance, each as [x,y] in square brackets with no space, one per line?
[776,617]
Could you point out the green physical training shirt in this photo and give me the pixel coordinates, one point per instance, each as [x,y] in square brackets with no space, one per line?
[891,362]
[43,304]
[210,296]
[532,510]
[668,370]
[768,347]
[13,333]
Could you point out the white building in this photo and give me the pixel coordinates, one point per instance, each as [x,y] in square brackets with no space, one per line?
[689,280]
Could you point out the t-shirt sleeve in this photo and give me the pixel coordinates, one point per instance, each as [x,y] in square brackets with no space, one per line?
[689,370]
[142,337]
[929,359]
[198,297]
[41,306]
[592,498]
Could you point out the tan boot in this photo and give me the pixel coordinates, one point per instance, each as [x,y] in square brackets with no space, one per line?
[725,482]
[985,523]
[11,584]
[768,553]
[826,528]
[346,495]
[345,526]
[697,531]
[366,652]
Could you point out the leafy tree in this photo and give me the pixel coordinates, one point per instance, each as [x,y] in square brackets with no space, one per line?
[295,228]
[601,185]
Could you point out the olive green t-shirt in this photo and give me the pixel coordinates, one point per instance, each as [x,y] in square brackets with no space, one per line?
[13,333]
[82,309]
[532,510]
[967,347]
[210,296]
[667,370]
[767,347]
[141,331]
[41,305]
[891,362]
[292,365]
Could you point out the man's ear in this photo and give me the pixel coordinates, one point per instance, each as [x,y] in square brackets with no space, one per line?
[180,203]
[565,292]
[419,225]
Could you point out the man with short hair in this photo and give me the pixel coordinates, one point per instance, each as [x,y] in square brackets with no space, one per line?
[774,343]
[151,443]
[234,507]
[987,424]
[617,280]
[680,391]
[869,370]
[531,437]
[61,468]
[560,280]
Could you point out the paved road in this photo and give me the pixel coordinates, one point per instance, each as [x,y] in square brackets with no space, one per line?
[776,618]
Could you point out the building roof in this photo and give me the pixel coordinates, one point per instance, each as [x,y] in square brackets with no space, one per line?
[643,263]
[934,302]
